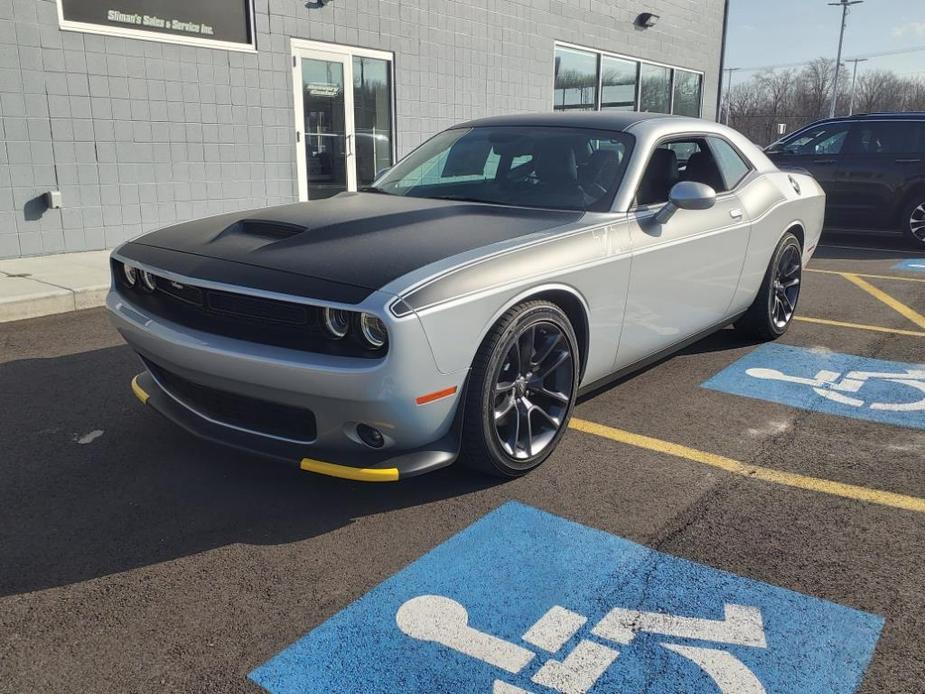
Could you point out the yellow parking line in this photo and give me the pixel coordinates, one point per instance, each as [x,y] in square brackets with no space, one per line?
[859,326]
[881,295]
[873,277]
[790,479]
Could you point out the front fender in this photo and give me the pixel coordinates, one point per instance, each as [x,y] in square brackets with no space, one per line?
[456,329]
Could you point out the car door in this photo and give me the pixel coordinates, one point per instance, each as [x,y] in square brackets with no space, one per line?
[878,159]
[685,272]
[819,149]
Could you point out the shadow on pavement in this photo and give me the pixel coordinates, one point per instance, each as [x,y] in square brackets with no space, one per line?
[850,245]
[143,491]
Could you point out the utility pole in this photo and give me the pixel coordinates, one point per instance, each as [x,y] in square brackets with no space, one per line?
[728,71]
[854,80]
[844,4]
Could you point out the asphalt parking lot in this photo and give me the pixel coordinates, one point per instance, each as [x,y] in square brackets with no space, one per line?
[134,558]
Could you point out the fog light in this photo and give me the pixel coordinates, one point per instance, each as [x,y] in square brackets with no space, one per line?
[371,436]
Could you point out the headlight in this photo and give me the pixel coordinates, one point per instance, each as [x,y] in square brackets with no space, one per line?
[373,330]
[336,322]
[148,282]
[131,275]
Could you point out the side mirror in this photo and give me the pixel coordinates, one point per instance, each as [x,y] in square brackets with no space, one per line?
[687,195]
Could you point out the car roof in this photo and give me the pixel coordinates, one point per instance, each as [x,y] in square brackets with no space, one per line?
[604,120]
[885,115]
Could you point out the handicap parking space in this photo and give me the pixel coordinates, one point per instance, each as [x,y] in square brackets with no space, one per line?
[700,529]
[526,601]
[910,265]
[820,380]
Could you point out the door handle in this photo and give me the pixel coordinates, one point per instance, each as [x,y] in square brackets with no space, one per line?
[736,213]
[349,139]
[908,161]
[823,161]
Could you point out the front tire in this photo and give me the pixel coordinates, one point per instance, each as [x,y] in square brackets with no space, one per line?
[771,313]
[913,221]
[521,391]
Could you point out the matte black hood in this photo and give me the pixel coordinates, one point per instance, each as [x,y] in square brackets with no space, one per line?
[364,240]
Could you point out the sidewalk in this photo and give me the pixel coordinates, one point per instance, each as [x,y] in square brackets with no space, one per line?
[31,287]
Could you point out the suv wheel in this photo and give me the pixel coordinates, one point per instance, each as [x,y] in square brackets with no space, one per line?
[913,220]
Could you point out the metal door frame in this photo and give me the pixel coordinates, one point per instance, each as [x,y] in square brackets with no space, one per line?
[344,55]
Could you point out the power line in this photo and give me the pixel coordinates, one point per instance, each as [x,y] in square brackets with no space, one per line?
[865,56]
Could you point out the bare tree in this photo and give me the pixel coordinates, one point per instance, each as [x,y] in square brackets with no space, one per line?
[792,99]
[816,80]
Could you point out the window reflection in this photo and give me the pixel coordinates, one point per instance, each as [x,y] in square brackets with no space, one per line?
[618,84]
[325,127]
[654,88]
[575,80]
[686,93]
[372,117]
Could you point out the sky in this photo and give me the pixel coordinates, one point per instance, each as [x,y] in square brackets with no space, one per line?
[773,32]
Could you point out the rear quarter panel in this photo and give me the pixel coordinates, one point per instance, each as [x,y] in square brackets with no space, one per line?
[774,205]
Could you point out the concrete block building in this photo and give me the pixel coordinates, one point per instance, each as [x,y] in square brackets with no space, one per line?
[142,113]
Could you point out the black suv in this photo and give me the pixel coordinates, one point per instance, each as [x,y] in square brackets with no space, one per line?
[871,166]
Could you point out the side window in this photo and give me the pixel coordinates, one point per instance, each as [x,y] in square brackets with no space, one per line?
[825,139]
[731,165]
[683,151]
[884,137]
[661,173]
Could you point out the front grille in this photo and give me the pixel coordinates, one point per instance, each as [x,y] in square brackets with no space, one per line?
[253,414]
[243,317]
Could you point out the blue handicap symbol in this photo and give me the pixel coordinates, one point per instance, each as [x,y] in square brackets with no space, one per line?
[891,392]
[911,265]
[524,602]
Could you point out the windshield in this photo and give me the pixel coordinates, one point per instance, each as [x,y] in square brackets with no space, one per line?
[550,167]
[824,139]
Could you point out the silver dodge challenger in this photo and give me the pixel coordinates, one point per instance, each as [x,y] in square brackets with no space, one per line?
[459,306]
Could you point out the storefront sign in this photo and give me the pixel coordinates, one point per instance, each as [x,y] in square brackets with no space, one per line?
[217,23]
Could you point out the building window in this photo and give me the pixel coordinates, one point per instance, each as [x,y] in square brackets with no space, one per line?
[618,84]
[576,80]
[654,88]
[589,80]
[687,86]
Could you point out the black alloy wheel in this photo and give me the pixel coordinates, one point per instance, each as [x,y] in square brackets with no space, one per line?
[787,277]
[772,311]
[521,390]
[533,390]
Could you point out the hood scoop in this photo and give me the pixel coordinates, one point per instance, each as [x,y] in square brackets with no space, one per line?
[263,228]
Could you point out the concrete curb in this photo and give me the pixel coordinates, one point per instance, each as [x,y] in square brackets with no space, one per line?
[33,287]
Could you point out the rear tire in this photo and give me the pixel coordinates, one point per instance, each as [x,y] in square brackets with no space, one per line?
[913,221]
[771,313]
[521,391]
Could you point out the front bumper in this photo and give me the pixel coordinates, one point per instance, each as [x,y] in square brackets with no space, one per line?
[340,392]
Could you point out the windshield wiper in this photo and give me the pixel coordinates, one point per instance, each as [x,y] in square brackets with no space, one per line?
[374,189]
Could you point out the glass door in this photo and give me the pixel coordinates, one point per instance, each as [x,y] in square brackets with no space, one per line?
[324,133]
[343,105]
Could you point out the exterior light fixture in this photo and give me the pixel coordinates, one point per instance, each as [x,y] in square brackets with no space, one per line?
[646,20]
